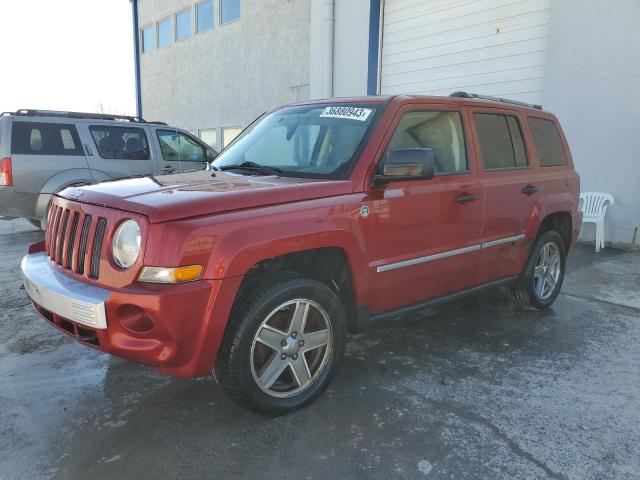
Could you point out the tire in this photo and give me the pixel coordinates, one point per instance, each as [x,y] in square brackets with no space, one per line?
[271,312]
[527,290]
[35,223]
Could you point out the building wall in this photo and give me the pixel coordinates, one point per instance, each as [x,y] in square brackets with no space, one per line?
[591,83]
[350,48]
[229,75]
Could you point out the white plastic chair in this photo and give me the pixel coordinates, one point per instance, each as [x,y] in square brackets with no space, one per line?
[593,206]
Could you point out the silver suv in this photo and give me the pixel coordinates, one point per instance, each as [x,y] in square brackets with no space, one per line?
[43,152]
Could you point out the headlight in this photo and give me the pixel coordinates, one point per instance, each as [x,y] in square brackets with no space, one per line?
[126,244]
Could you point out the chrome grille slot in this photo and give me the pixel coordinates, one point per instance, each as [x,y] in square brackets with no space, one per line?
[98,239]
[82,248]
[54,238]
[62,236]
[72,239]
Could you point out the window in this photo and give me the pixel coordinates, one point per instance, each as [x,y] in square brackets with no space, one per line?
[317,141]
[228,134]
[204,16]
[549,146]
[210,137]
[500,141]
[440,131]
[147,39]
[229,10]
[122,143]
[176,146]
[164,32]
[183,25]
[30,138]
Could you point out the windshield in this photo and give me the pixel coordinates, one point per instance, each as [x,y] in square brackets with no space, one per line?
[309,140]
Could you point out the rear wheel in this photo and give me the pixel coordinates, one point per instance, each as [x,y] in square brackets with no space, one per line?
[541,280]
[284,344]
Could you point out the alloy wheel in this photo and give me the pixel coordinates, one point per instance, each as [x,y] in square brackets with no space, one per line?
[291,348]
[547,271]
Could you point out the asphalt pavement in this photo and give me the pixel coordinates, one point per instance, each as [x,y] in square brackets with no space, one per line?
[475,389]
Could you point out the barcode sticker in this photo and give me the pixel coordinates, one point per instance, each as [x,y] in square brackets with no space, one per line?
[347,113]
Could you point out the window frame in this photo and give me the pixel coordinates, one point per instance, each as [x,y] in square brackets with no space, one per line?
[213,14]
[153,37]
[175,17]
[102,126]
[196,140]
[426,108]
[560,135]
[505,113]
[171,36]
[221,23]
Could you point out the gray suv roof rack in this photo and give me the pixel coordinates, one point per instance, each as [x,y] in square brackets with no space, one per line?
[494,99]
[56,113]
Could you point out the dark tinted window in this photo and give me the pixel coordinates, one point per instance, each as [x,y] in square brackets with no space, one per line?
[440,131]
[124,143]
[176,146]
[548,144]
[500,141]
[30,138]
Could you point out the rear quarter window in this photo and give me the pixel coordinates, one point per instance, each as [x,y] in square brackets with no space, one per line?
[33,138]
[549,146]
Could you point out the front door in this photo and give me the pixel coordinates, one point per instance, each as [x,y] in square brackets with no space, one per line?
[427,234]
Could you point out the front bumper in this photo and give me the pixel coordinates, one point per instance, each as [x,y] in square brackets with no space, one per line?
[62,295]
[177,329]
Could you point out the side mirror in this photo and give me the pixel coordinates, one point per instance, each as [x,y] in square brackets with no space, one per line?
[406,164]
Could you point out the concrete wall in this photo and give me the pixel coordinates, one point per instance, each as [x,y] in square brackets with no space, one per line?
[592,83]
[229,75]
[351,48]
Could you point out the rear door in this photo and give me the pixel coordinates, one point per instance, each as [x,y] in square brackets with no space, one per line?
[511,192]
[179,151]
[40,150]
[118,150]
[426,232]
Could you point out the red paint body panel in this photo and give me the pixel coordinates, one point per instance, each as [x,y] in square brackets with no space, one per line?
[230,222]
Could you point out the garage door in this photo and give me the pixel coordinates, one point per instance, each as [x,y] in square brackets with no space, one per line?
[491,47]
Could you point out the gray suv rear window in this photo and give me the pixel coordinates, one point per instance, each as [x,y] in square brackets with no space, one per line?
[121,143]
[32,138]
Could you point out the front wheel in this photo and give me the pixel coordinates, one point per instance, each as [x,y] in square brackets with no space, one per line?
[540,282]
[283,345]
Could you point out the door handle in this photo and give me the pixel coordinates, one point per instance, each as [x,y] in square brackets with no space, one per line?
[167,170]
[529,190]
[465,198]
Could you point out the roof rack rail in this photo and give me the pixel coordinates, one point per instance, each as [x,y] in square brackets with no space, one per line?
[494,99]
[156,122]
[56,113]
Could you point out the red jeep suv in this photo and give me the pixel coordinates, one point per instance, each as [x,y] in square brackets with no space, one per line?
[317,219]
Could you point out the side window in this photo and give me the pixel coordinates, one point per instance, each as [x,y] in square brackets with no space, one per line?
[121,143]
[440,131]
[176,146]
[548,143]
[500,141]
[30,138]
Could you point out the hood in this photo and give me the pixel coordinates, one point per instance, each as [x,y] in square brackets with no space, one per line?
[169,197]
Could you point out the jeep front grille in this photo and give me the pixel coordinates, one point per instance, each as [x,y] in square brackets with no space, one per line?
[67,226]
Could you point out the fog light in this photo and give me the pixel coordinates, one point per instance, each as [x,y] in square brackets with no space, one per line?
[170,275]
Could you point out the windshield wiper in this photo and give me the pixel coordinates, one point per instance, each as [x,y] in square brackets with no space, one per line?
[254,167]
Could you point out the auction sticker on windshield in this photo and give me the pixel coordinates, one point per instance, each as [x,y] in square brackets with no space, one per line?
[348,113]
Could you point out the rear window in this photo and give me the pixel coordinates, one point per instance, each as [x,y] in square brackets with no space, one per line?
[121,143]
[548,143]
[31,138]
[500,141]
